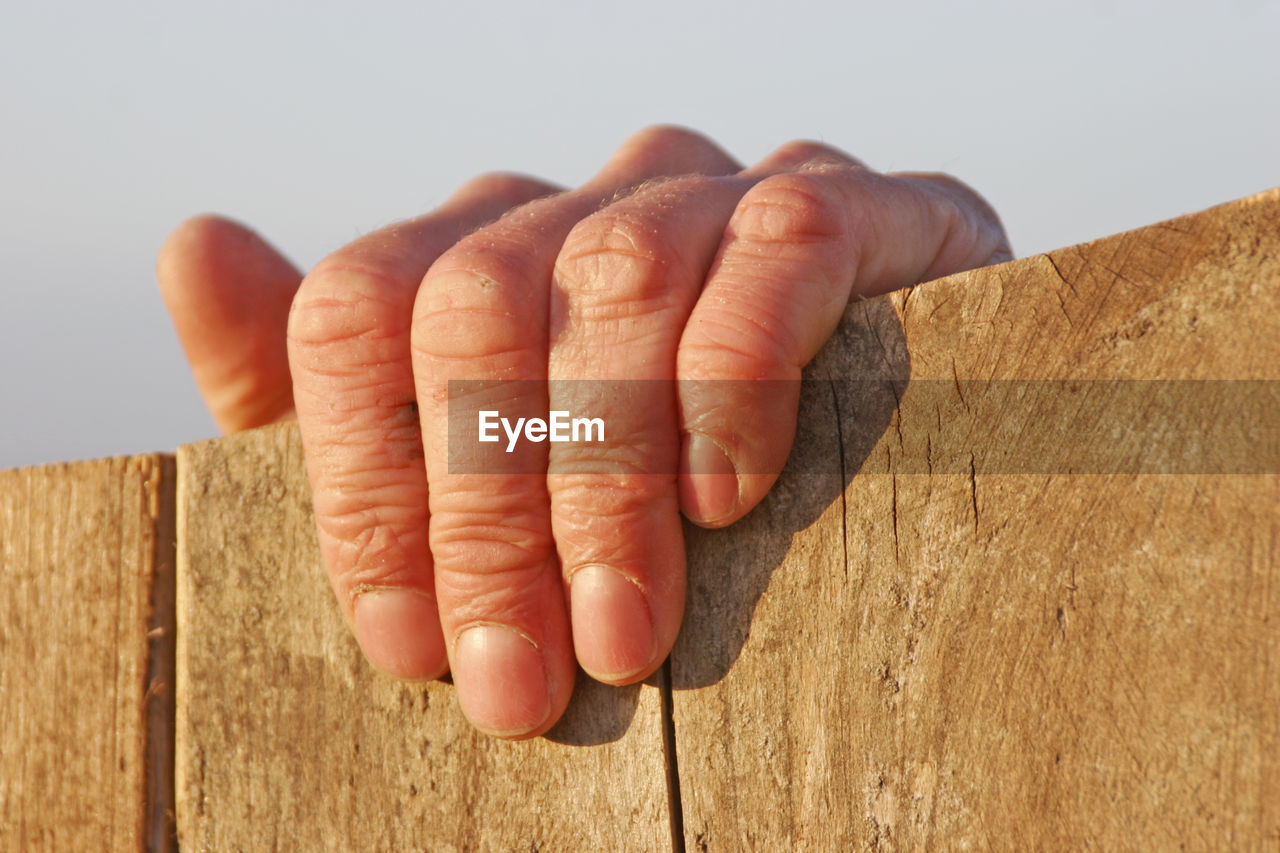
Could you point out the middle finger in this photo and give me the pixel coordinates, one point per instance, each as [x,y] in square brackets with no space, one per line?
[482,314]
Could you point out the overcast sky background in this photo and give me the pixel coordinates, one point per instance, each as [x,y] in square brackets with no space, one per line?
[316,123]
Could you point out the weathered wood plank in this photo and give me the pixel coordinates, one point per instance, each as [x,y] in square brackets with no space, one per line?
[86,562]
[1001,653]
[287,739]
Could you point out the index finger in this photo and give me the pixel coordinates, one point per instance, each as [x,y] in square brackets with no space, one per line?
[798,247]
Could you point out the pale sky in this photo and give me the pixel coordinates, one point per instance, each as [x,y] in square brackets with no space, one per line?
[316,123]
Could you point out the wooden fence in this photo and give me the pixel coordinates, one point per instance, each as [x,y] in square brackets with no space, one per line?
[948,626]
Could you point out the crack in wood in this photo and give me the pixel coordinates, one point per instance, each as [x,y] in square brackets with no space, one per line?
[675,806]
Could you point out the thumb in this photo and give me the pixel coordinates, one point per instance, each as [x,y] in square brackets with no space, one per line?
[228,293]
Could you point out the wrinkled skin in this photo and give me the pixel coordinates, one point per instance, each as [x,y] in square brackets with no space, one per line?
[673,262]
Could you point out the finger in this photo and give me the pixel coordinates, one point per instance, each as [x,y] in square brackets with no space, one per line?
[625,283]
[353,384]
[228,292]
[481,314]
[798,246]
[658,152]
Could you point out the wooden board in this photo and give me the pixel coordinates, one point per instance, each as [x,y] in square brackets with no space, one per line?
[970,629]
[1011,592]
[86,562]
[288,740]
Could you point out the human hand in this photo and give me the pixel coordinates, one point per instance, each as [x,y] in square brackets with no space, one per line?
[673,262]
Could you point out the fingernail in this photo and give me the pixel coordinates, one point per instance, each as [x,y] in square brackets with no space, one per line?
[612,625]
[399,631]
[713,493]
[501,681]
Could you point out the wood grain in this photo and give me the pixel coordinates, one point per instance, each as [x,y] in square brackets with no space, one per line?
[938,633]
[86,562]
[288,740]
[982,608]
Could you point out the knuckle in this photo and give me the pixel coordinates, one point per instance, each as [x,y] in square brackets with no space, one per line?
[363,423]
[613,497]
[744,344]
[371,536]
[971,232]
[348,298]
[507,186]
[662,137]
[474,516]
[513,596]
[485,559]
[797,207]
[359,393]
[809,154]
[488,263]
[601,507]
[667,149]
[486,545]
[951,196]
[939,184]
[628,251]
[614,255]
[378,557]
[479,298]
[626,459]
